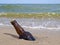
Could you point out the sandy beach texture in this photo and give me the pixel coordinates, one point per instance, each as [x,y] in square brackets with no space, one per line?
[8,36]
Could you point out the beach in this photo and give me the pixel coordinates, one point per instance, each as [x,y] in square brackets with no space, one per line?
[45,30]
[41,20]
[8,36]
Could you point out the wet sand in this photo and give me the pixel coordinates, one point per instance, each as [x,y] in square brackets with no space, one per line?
[8,36]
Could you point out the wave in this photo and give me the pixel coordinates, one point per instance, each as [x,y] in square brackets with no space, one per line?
[41,27]
[33,27]
[1,24]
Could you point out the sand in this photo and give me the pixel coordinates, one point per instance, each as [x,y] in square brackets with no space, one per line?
[8,36]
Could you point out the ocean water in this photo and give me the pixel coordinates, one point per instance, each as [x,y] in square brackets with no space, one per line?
[30,8]
[32,23]
[50,23]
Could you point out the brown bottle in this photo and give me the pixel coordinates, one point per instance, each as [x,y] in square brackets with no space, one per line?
[19,29]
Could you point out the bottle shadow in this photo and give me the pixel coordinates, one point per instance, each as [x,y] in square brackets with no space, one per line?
[12,35]
[29,36]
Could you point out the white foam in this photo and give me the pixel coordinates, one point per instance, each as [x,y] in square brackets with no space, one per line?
[34,27]
[41,27]
[1,24]
[2,13]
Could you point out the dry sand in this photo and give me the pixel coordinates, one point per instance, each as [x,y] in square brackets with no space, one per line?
[8,36]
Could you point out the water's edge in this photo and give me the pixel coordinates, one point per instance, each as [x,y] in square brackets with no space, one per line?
[32,23]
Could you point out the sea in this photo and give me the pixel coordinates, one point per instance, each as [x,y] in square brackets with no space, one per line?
[30,8]
[50,23]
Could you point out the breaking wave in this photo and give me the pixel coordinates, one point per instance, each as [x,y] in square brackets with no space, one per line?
[33,27]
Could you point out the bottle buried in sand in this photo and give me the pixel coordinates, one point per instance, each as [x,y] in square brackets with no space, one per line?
[21,32]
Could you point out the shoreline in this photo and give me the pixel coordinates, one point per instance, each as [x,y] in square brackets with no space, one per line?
[37,27]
